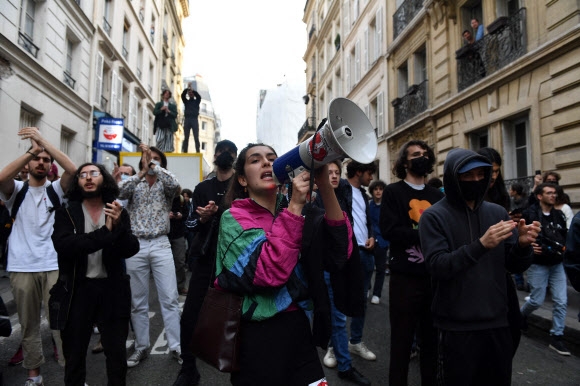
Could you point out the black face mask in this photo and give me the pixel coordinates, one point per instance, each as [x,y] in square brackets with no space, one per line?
[224,161]
[473,190]
[420,166]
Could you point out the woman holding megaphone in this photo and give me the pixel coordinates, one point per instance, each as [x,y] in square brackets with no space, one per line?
[272,252]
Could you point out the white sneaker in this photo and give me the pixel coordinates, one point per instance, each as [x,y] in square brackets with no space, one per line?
[136,357]
[177,355]
[375,300]
[329,358]
[30,382]
[362,351]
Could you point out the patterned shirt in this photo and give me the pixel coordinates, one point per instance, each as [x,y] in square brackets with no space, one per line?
[149,207]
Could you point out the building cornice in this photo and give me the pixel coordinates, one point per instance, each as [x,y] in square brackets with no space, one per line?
[77,14]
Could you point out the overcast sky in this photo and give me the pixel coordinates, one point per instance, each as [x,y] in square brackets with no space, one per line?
[240,47]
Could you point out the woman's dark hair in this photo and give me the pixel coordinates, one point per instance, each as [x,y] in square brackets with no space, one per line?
[109,189]
[375,183]
[556,175]
[188,192]
[160,154]
[235,189]
[561,197]
[498,193]
[400,168]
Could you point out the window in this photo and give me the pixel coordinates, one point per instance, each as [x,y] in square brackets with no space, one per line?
[145,124]
[478,139]
[139,61]
[66,139]
[420,66]
[151,73]
[203,146]
[116,95]
[203,125]
[98,78]
[402,80]
[152,32]
[107,16]
[28,118]
[376,114]
[126,28]
[378,34]
[28,11]
[366,52]
[517,159]
[132,116]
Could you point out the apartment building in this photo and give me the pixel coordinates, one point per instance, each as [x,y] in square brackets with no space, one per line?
[64,64]
[45,56]
[514,89]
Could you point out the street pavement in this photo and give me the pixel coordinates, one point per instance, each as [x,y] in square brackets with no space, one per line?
[534,363]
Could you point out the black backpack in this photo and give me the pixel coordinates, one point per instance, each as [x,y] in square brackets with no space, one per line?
[7,220]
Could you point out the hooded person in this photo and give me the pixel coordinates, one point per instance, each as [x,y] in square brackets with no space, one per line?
[469,244]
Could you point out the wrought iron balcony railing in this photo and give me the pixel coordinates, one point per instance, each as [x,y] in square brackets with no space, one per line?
[505,42]
[404,14]
[309,125]
[69,80]
[27,43]
[413,103]
[527,183]
[106,26]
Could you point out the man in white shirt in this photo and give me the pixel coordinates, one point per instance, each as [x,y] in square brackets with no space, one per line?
[32,260]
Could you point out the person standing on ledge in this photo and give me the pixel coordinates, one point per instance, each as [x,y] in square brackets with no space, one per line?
[191,100]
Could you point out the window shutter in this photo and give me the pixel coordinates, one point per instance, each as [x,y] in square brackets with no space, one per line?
[98,79]
[357,62]
[114,83]
[367,63]
[145,125]
[379,33]
[119,96]
[380,114]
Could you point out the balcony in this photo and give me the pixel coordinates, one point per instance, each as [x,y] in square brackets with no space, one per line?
[309,126]
[404,14]
[27,44]
[504,43]
[413,103]
[527,182]
[106,26]
[69,80]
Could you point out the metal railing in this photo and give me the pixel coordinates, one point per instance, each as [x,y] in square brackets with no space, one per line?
[404,14]
[106,26]
[505,42]
[309,125]
[527,183]
[125,53]
[139,73]
[413,103]
[311,32]
[27,43]
[141,16]
[69,80]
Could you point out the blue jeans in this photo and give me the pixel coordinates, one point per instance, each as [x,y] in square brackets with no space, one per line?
[539,278]
[367,260]
[339,337]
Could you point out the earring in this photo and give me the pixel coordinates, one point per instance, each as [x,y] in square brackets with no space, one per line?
[245,190]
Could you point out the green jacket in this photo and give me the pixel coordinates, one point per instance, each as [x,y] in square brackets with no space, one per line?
[172,111]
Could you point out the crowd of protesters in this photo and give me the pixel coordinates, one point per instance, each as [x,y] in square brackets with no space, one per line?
[302,262]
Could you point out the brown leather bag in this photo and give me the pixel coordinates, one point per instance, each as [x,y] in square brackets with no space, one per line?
[216,337]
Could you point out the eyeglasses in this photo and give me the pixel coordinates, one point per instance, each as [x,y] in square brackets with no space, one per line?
[92,173]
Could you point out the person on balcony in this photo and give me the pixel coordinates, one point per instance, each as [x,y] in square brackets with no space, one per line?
[478,28]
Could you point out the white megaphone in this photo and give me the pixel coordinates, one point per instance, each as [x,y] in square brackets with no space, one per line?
[347,132]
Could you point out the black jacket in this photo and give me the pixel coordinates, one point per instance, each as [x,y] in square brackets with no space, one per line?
[469,281]
[192,105]
[73,246]
[553,229]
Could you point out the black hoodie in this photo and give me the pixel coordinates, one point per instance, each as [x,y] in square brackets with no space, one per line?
[469,281]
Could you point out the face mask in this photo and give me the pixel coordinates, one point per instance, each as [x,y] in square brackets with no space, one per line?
[124,177]
[472,190]
[420,166]
[151,172]
[224,161]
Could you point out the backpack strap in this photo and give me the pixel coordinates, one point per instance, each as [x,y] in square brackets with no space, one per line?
[53,196]
[18,200]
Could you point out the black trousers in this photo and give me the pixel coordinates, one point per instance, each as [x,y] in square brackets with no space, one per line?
[410,311]
[90,305]
[278,351]
[475,358]
[201,276]
[190,124]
